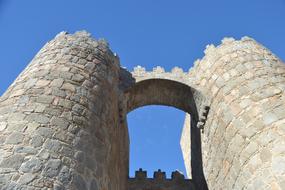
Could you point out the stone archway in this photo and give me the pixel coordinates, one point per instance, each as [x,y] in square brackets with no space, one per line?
[61,120]
[162,92]
[175,92]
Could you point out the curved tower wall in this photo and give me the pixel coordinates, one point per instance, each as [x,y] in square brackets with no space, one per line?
[59,121]
[244,137]
[63,124]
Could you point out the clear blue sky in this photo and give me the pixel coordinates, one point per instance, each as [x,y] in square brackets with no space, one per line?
[147,32]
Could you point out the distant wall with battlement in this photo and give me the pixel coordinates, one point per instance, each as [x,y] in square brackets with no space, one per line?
[159,181]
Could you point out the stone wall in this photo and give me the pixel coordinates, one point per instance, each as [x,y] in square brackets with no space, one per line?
[59,120]
[176,89]
[185,144]
[63,121]
[159,181]
[244,136]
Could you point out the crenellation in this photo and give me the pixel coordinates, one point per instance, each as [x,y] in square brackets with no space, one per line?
[158,69]
[159,180]
[177,175]
[63,120]
[177,71]
[141,174]
[210,49]
[159,175]
[61,34]
[139,70]
[227,40]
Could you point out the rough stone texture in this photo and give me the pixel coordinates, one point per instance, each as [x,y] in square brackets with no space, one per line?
[185,145]
[63,121]
[244,137]
[59,130]
[159,181]
[174,89]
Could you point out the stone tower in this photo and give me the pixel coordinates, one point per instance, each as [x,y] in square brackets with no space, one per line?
[63,121]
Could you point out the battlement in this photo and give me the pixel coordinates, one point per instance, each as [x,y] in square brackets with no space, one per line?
[159,181]
[176,74]
[71,102]
[158,175]
[158,69]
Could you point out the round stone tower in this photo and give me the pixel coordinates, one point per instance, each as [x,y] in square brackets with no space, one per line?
[59,120]
[244,136]
[63,126]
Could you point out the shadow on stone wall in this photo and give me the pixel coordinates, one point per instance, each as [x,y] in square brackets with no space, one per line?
[164,91]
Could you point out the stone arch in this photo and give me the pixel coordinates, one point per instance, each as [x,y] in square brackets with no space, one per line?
[65,114]
[172,89]
[175,88]
[162,92]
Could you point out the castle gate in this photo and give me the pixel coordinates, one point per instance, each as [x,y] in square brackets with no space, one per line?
[63,120]
[171,89]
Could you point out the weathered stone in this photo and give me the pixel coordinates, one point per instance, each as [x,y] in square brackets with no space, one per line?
[3,126]
[58,92]
[78,78]
[44,155]
[265,155]
[58,187]
[65,75]
[31,82]
[31,166]
[52,168]
[269,118]
[45,99]
[63,121]
[52,111]
[4,178]
[37,117]
[78,109]
[42,83]
[32,126]
[36,141]
[79,156]
[79,182]
[52,145]
[15,138]
[65,103]
[45,131]
[10,186]
[40,108]
[26,150]
[64,175]
[278,165]
[60,122]
[68,86]
[57,82]
[13,161]
[14,117]
[17,93]
[26,178]
[23,100]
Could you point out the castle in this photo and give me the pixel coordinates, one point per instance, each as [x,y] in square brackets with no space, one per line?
[63,120]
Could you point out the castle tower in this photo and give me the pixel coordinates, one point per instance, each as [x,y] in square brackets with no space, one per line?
[59,120]
[243,144]
[63,121]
